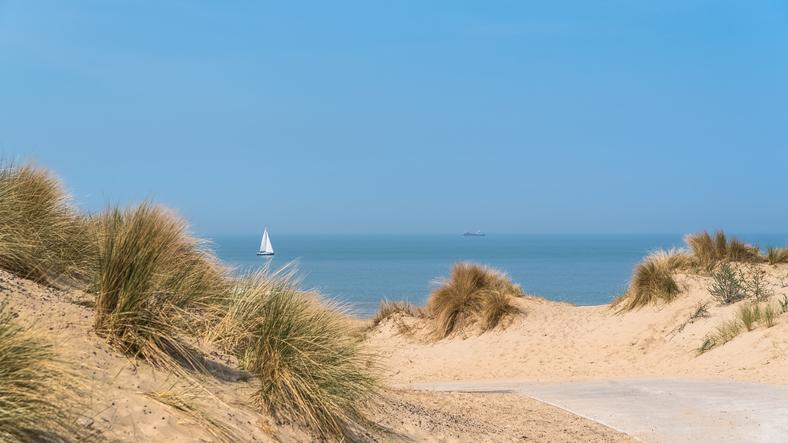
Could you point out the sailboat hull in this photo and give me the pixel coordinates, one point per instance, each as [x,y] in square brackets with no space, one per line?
[265,253]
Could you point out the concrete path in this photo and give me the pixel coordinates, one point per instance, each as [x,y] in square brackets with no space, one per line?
[662,410]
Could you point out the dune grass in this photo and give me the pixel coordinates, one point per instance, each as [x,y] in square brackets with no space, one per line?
[769,314]
[42,238]
[777,255]
[389,309]
[749,314]
[186,401]
[728,330]
[652,280]
[34,390]
[725,332]
[473,294]
[311,368]
[707,251]
[158,289]
[152,279]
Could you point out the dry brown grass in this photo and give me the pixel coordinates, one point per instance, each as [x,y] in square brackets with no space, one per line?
[158,289]
[652,280]
[777,255]
[154,284]
[187,401]
[707,251]
[36,393]
[473,294]
[389,309]
[42,238]
[311,367]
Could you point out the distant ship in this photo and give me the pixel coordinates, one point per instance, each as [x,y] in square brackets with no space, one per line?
[474,234]
[265,244]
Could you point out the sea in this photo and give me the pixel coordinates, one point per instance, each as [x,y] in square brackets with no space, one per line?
[362,270]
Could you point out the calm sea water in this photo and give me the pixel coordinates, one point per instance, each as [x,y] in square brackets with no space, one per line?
[362,270]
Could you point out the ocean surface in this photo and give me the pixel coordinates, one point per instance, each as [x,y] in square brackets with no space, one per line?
[361,270]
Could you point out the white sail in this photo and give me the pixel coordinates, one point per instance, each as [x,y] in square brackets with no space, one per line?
[265,243]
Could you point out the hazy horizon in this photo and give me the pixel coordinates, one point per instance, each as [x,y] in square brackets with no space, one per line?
[407,117]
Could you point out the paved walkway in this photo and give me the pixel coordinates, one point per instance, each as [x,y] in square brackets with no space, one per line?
[662,410]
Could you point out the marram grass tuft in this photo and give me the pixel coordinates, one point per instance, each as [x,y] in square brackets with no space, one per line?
[153,282]
[473,294]
[652,280]
[707,251]
[311,367]
[36,393]
[42,238]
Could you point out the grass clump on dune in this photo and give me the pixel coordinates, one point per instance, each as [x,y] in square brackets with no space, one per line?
[725,332]
[777,255]
[32,387]
[708,251]
[473,294]
[769,313]
[41,237]
[151,280]
[388,309]
[747,317]
[310,366]
[652,280]
[157,288]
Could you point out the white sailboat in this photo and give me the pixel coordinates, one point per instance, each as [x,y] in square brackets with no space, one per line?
[265,244]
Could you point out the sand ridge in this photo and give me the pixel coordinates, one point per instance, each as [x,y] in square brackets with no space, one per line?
[560,342]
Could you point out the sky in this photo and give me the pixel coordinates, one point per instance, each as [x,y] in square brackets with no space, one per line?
[408,116]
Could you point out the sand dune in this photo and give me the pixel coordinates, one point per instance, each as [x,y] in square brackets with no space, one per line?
[118,400]
[550,342]
[560,342]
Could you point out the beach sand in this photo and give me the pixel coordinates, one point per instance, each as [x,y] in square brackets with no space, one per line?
[554,342]
[116,404]
[550,342]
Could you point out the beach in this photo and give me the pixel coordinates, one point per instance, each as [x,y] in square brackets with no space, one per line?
[118,403]
[554,343]
[368,222]
[124,326]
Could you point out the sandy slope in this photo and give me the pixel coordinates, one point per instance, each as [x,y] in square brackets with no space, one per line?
[115,402]
[560,342]
[116,405]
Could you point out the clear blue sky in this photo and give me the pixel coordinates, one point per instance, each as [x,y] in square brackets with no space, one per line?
[408,117]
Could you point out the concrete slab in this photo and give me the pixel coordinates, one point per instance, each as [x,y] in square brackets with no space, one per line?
[656,410]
